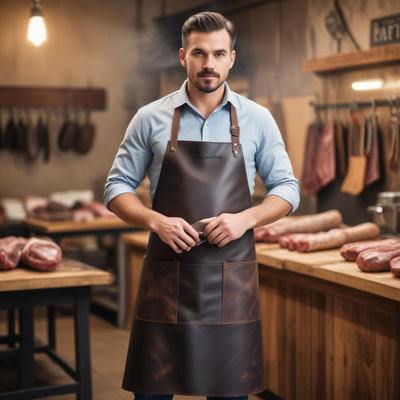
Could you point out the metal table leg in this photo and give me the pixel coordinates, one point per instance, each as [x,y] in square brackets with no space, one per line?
[51,326]
[11,328]
[26,353]
[121,267]
[82,342]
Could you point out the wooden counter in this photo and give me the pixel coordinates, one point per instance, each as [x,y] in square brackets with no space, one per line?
[41,225]
[330,331]
[25,289]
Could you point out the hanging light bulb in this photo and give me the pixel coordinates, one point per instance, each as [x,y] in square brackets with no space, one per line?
[37,32]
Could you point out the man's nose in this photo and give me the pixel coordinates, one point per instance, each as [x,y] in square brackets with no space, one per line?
[208,64]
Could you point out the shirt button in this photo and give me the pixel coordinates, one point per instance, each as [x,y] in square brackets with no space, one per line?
[206,123]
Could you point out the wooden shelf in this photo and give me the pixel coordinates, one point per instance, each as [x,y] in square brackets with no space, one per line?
[23,96]
[381,56]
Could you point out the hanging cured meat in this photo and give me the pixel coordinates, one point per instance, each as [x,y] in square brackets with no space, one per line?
[325,162]
[310,182]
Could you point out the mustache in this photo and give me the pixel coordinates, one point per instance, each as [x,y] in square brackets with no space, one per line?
[208,73]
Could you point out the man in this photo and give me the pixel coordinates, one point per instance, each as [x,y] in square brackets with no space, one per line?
[197,325]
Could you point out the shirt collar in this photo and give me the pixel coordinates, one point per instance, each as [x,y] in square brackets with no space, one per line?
[183,98]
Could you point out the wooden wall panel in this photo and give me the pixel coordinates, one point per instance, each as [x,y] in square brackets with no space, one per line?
[326,345]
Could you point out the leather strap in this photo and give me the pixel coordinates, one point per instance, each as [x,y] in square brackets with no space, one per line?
[235,131]
[175,129]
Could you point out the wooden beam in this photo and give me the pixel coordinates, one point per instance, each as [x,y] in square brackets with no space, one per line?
[41,97]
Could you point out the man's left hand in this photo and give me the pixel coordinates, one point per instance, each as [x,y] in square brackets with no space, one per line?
[224,228]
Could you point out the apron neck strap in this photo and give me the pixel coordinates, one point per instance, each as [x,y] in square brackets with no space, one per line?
[235,130]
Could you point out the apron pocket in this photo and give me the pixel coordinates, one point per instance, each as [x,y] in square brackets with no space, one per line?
[157,298]
[241,298]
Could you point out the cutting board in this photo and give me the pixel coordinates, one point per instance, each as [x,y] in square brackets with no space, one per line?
[297,115]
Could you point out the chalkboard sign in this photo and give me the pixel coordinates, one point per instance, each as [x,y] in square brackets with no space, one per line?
[385,30]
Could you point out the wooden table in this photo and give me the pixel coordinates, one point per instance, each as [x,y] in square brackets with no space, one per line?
[98,227]
[330,331]
[25,289]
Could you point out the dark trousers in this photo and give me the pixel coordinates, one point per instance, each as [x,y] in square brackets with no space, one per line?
[139,396]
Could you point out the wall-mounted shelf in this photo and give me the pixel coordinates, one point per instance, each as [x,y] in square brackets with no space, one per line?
[23,96]
[381,56]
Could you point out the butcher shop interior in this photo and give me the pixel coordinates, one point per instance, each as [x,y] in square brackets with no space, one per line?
[95,301]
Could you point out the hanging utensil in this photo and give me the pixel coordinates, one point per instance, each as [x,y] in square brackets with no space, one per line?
[354,181]
[32,147]
[2,143]
[45,138]
[20,134]
[84,141]
[67,134]
[373,172]
[393,129]
[10,134]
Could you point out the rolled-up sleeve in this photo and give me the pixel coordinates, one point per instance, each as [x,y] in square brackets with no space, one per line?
[131,162]
[274,166]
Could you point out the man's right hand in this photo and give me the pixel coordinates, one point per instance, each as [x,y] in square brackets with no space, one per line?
[177,233]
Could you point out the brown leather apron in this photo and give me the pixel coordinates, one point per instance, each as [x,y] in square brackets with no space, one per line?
[197,325]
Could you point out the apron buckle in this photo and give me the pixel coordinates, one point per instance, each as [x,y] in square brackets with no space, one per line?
[235,130]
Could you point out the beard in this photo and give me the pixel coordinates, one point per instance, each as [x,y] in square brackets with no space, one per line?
[206,87]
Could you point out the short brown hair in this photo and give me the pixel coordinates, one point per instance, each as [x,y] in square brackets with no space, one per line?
[208,22]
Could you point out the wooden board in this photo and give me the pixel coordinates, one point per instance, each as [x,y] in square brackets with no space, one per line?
[376,57]
[69,273]
[273,256]
[297,114]
[347,273]
[71,226]
[137,239]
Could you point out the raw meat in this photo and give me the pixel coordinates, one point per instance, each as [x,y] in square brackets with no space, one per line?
[261,232]
[306,224]
[351,251]
[395,266]
[338,237]
[325,161]
[310,183]
[378,259]
[83,215]
[99,209]
[42,255]
[10,251]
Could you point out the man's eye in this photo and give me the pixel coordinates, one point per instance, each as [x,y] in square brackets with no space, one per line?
[198,53]
[220,54]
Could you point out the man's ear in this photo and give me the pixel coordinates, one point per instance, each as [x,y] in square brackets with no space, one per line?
[182,57]
[233,57]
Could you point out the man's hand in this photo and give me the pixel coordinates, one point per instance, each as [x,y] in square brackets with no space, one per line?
[175,232]
[225,228]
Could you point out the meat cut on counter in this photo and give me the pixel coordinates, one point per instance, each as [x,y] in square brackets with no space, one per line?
[338,237]
[39,254]
[351,251]
[42,255]
[304,224]
[10,251]
[378,259]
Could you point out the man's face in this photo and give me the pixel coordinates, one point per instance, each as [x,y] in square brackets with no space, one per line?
[208,59]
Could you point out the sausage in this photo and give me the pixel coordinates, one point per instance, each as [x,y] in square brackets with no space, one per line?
[395,266]
[378,259]
[307,224]
[327,240]
[338,237]
[261,233]
[367,230]
[350,251]
[286,240]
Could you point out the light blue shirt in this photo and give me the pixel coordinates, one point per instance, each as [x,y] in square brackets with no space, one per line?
[143,147]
